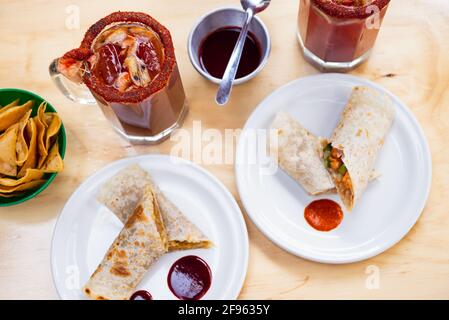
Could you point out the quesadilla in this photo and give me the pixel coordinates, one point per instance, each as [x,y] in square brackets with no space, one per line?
[351,153]
[122,193]
[142,241]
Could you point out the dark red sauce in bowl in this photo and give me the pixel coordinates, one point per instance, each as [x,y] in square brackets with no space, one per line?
[189,278]
[217,47]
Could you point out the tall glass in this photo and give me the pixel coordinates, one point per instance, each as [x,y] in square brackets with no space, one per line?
[338,35]
[144,113]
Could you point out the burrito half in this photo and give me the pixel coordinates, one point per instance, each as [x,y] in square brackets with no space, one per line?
[351,154]
[122,193]
[298,154]
[141,242]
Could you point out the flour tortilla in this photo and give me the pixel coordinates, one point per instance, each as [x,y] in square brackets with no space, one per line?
[364,124]
[298,154]
[140,244]
[122,193]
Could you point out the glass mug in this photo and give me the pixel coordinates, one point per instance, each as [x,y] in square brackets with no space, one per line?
[338,35]
[126,64]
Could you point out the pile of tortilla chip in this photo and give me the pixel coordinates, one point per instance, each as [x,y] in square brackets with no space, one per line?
[28,147]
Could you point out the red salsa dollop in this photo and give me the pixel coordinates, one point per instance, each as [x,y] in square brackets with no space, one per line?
[323,215]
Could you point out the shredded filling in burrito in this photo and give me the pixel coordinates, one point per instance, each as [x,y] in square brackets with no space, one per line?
[333,161]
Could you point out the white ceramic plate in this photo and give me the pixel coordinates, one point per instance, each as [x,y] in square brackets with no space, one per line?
[85,229]
[388,208]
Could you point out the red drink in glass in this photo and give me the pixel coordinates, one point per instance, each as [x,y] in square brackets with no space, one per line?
[338,35]
[127,62]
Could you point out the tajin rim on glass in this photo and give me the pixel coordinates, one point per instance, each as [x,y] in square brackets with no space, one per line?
[109,93]
[337,10]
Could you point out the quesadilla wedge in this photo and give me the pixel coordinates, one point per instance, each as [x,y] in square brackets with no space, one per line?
[142,241]
[351,153]
[123,191]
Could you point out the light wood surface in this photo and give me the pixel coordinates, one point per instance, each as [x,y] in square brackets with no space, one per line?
[412,49]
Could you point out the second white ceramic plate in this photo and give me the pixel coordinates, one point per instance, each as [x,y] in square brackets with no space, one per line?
[85,229]
[387,210]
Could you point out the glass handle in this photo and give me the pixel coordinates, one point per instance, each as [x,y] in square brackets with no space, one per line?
[78,93]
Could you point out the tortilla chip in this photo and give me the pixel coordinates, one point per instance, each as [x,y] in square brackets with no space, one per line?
[31,174]
[22,187]
[41,113]
[54,124]
[54,162]
[14,114]
[12,195]
[41,127]
[9,106]
[32,149]
[8,151]
[21,144]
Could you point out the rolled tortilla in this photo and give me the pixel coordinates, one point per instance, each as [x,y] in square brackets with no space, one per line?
[298,154]
[141,242]
[122,193]
[358,137]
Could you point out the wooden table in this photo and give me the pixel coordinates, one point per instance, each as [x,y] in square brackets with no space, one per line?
[410,59]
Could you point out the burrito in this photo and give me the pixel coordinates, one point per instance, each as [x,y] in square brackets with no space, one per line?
[298,154]
[351,153]
[122,193]
[141,242]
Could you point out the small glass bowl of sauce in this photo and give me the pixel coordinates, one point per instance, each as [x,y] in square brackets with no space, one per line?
[212,41]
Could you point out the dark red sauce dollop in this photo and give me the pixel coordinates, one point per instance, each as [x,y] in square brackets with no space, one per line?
[141,295]
[189,278]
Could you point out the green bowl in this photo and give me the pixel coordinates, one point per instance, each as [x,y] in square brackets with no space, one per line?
[9,95]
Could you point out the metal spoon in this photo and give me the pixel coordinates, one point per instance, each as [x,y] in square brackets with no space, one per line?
[251,7]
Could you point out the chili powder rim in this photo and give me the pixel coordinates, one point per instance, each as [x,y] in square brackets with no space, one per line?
[111,94]
[341,11]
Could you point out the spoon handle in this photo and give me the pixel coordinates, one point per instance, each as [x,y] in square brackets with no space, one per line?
[231,70]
